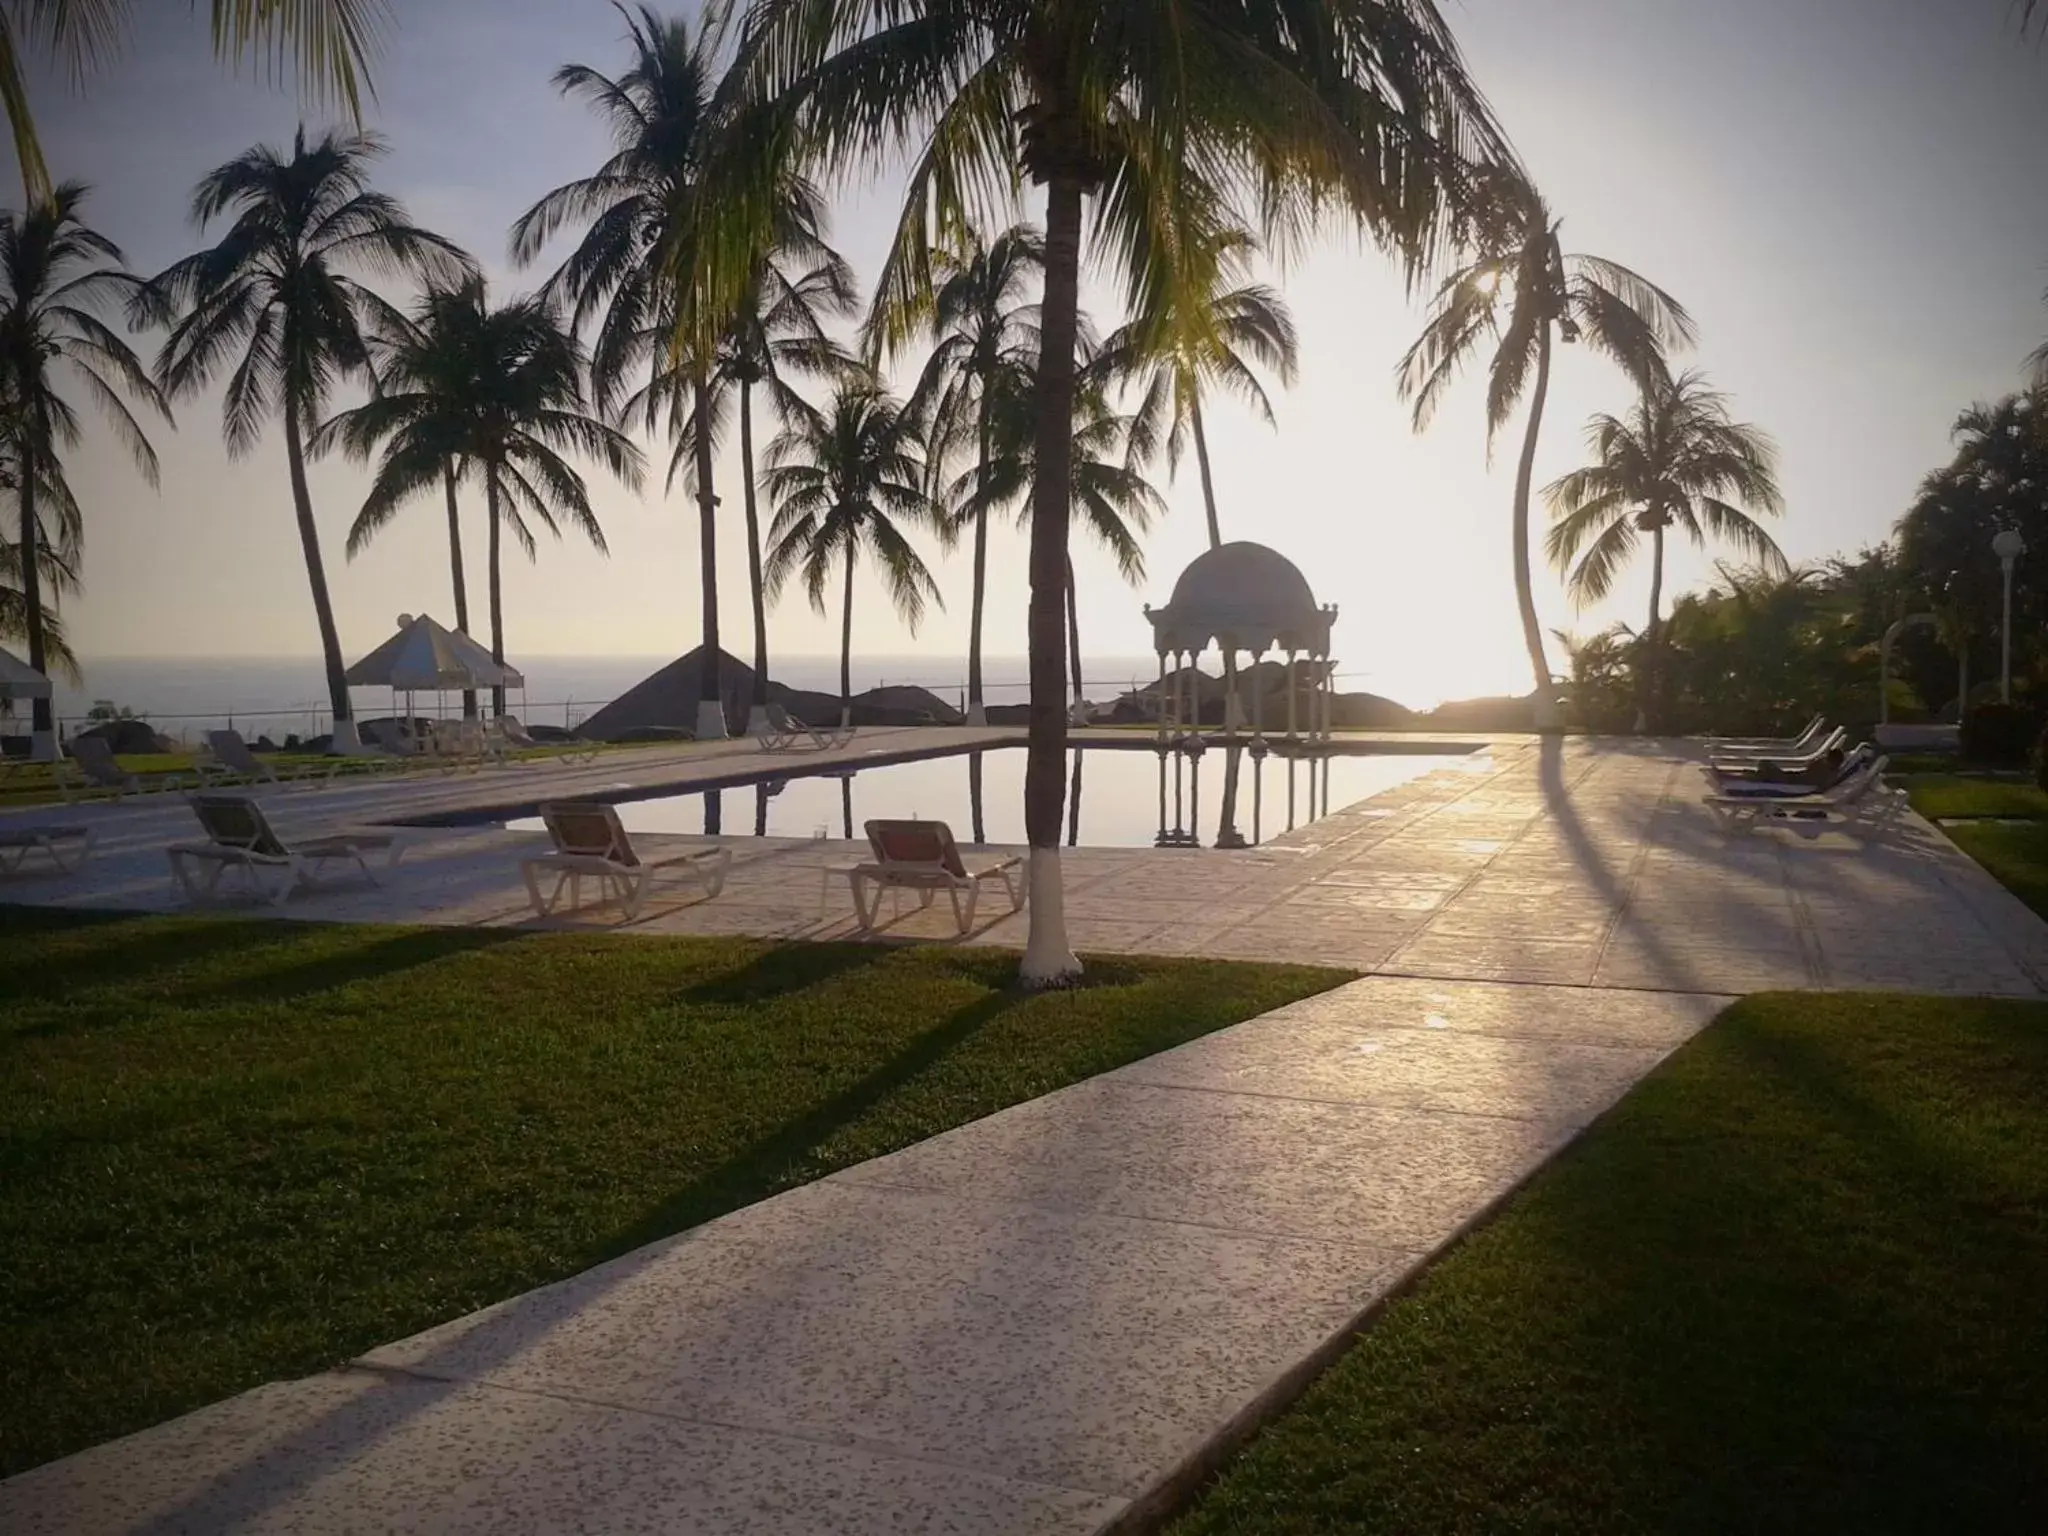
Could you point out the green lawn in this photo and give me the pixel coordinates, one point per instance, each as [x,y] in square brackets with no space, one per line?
[1949,795]
[237,1150]
[2016,853]
[1796,1281]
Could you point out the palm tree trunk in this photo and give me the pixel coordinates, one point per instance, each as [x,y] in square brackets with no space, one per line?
[1525,596]
[1202,463]
[977,710]
[846,644]
[43,740]
[1648,711]
[1073,630]
[710,698]
[1048,958]
[455,569]
[345,738]
[496,548]
[757,716]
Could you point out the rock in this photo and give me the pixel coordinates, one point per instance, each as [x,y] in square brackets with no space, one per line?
[1492,714]
[1368,712]
[668,700]
[128,738]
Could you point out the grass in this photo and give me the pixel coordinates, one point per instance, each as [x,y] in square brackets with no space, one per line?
[24,784]
[2015,853]
[1947,796]
[1796,1281]
[237,1150]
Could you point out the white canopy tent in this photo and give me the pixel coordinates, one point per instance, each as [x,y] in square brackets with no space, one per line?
[19,680]
[425,656]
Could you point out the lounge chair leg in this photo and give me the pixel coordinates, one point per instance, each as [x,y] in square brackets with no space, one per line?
[867,901]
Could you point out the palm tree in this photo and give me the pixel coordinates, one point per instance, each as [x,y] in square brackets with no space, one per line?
[1678,461]
[779,332]
[507,405]
[683,140]
[1115,501]
[983,326]
[427,353]
[58,575]
[329,41]
[1517,290]
[1361,105]
[57,279]
[844,480]
[1206,329]
[274,291]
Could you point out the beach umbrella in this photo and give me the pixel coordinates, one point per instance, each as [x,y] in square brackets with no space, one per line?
[425,655]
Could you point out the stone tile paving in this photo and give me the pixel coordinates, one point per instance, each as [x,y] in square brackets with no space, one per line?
[1035,1322]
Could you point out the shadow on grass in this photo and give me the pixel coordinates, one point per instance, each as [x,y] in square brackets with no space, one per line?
[780,971]
[782,1158]
[393,950]
[129,947]
[1794,1282]
[259,1486]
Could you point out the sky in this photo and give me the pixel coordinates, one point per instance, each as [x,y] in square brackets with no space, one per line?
[1845,196]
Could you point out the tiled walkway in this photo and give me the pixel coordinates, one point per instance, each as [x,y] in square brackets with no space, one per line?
[1582,864]
[1038,1321]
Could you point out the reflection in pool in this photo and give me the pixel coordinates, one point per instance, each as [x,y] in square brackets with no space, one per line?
[1117,796]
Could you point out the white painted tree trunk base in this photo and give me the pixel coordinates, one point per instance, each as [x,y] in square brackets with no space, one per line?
[348,742]
[1548,717]
[977,713]
[1048,960]
[42,747]
[758,723]
[710,720]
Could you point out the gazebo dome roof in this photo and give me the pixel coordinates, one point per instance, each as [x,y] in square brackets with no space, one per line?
[1246,595]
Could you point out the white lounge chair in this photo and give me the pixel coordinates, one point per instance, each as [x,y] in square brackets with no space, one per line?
[1738,766]
[921,856]
[785,731]
[231,757]
[93,762]
[515,736]
[1744,746]
[1859,799]
[65,847]
[589,841]
[239,836]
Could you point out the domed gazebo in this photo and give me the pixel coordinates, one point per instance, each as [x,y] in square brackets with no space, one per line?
[1242,597]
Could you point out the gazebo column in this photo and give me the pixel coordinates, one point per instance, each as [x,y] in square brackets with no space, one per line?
[1230,713]
[1159,699]
[1258,697]
[1292,735]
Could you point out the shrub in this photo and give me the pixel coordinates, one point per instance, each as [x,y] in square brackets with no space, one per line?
[2041,758]
[1999,735]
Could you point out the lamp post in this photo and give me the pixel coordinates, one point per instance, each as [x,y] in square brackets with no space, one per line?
[2008,546]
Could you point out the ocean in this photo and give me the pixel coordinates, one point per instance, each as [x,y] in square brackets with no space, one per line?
[279,696]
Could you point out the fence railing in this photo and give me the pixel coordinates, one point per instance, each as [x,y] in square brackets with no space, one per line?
[312,719]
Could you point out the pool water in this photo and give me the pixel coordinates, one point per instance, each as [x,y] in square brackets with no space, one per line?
[981,796]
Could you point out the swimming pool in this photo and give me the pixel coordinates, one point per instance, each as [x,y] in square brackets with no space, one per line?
[1117,792]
